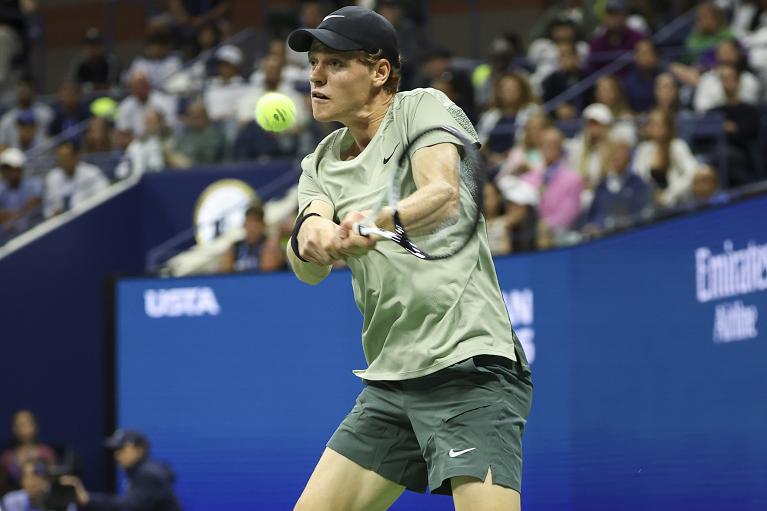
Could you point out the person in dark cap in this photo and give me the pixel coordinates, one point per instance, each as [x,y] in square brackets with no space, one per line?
[97,68]
[150,483]
[400,435]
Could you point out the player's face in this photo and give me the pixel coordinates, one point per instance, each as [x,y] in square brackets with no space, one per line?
[341,85]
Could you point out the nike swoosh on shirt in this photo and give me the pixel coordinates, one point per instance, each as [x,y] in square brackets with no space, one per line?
[453,453]
[386,160]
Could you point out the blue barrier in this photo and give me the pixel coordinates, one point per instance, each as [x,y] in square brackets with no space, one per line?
[54,293]
[648,354]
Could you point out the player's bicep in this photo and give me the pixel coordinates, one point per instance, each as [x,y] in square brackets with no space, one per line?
[436,165]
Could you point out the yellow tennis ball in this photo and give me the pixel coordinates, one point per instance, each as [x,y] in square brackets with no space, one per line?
[104,107]
[275,112]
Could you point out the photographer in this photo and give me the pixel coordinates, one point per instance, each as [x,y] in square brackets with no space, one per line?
[36,493]
[150,483]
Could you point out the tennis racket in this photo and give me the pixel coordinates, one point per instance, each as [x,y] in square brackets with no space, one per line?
[449,229]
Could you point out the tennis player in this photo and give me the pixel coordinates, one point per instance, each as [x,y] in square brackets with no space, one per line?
[447,387]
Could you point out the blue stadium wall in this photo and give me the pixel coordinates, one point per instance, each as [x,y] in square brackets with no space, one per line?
[649,357]
[56,302]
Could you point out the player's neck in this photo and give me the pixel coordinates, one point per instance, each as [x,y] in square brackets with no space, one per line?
[367,121]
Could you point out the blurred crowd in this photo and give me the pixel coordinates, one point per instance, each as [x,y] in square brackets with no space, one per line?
[666,124]
[35,476]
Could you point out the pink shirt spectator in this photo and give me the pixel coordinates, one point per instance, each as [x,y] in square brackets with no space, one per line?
[560,190]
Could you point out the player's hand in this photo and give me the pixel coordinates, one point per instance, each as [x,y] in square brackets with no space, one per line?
[317,241]
[349,242]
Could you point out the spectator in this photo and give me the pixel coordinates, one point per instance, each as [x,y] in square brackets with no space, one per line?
[96,69]
[496,221]
[587,152]
[147,152]
[291,75]
[558,185]
[28,133]
[613,38]
[223,91]
[503,51]
[667,93]
[69,111]
[622,196]
[200,141]
[710,93]
[13,34]
[545,53]
[190,15]
[413,41]
[706,188]
[131,111]
[150,483]
[25,101]
[257,251]
[437,65]
[512,106]
[20,198]
[742,125]
[568,75]
[750,25]
[665,160]
[609,92]
[35,491]
[710,29]
[639,84]
[72,182]
[25,446]
[157,62]
[526,154]
[98,136]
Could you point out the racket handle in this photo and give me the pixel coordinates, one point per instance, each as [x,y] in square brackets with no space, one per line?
[362,230]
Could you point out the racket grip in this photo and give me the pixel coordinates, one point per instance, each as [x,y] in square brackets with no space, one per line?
[360,229]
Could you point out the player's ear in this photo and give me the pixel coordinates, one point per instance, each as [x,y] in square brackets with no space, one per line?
[381,72]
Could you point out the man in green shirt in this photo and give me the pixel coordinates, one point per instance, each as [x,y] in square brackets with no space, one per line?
[447,386]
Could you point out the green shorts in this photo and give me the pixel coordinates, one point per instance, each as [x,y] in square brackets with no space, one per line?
[459,421]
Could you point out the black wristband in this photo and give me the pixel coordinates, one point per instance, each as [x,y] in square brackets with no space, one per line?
[294,235]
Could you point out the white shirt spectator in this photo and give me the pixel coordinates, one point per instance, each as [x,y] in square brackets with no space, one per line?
[158,70]
[221,98]
[544,54]
[130,112]
[9,134]
[141,156]
[291,75]
[710,93]
[681,170]
[63,193]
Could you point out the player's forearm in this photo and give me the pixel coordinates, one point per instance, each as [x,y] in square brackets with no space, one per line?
[432,205]
[307,272]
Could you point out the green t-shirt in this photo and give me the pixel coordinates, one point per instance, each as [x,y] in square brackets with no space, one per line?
[419,316]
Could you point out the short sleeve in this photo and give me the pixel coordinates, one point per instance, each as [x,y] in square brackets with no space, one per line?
[308,187]
[428,111]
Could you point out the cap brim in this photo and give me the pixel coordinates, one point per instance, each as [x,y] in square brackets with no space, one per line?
[301,40]
[111,443]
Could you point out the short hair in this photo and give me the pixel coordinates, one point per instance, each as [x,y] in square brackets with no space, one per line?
[71,144]
[369,59]
[256,209]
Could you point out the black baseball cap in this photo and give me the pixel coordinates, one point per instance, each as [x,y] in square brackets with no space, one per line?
[121,437]
[348,29]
